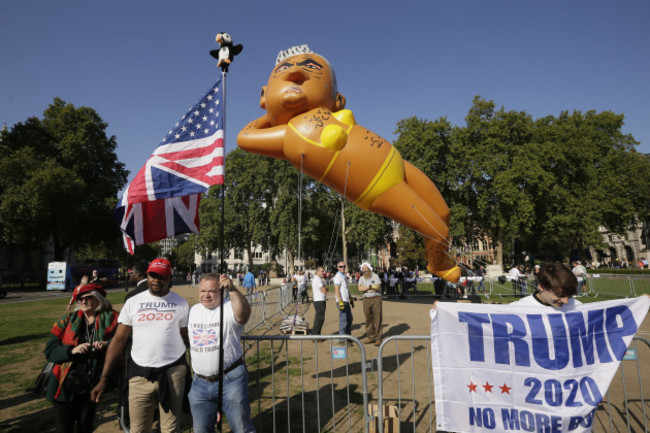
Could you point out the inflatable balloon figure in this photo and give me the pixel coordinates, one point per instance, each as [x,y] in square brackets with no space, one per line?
[306,124]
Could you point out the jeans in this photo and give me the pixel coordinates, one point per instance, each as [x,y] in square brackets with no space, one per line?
[345,320]
[204,397]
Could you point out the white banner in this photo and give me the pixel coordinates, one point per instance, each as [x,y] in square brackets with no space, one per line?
[503,368]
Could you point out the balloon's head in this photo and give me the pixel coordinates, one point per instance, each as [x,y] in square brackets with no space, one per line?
[301,80]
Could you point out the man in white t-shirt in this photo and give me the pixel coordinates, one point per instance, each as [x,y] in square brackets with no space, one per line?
[319,290]
[370,286]
[517,277]
[342,294]
[204,335]
[556,287]
[157,318]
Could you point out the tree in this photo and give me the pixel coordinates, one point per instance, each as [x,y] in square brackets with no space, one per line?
[184,253]
[410,249]
[249,188]
[320,222]
[284,210]
[61,180]
[597,180]
[543,186]
[365,230]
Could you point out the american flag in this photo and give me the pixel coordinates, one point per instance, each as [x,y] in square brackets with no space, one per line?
[163,199]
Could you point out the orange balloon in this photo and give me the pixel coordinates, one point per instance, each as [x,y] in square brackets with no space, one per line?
[306,124]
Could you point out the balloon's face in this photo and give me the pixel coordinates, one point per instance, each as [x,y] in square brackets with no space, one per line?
[298,84]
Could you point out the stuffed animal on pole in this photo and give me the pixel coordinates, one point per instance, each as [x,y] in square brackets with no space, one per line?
[306,124]
[226,52]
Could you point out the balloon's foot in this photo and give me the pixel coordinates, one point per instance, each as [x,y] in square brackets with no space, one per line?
[452,275]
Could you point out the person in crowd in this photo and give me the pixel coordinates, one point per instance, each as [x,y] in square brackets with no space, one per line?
[342,295]
[77,347]
[95,278]
[262,277]
[319,292]
[204,328]
[294,285]
[383,276]
[248,282]
[301,285]
[138,275]
[536,269]
[516,276]
[523,280]
[399,273]
[480,272]
[581,273]
[157,318]
[370,286]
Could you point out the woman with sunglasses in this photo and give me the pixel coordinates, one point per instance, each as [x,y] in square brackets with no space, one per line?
[77,348]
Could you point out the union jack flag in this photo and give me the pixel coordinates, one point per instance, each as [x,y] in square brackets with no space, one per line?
[163,199]
[204,337]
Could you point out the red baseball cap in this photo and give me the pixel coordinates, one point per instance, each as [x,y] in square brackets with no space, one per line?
[81,289]
[161,267]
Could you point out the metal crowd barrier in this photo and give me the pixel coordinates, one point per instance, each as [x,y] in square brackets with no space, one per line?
[401,382]
[603,285]
[307,383]
[618,286]
[265,305]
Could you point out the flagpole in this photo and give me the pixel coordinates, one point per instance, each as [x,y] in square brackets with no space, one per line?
[223,262]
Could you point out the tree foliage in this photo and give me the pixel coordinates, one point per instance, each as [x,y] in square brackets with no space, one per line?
[60,180]
[184,255]
[246,212]
[540,185]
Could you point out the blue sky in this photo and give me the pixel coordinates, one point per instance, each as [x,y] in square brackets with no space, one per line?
[142,64]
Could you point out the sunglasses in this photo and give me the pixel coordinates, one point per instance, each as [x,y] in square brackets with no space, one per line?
[341,266]
[85,299]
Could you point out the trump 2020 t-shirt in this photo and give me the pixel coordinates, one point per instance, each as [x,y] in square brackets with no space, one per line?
[156,323]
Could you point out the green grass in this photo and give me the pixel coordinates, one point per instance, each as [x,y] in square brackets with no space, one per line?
[25,321]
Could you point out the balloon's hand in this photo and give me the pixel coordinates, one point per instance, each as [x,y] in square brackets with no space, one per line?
[259,123]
